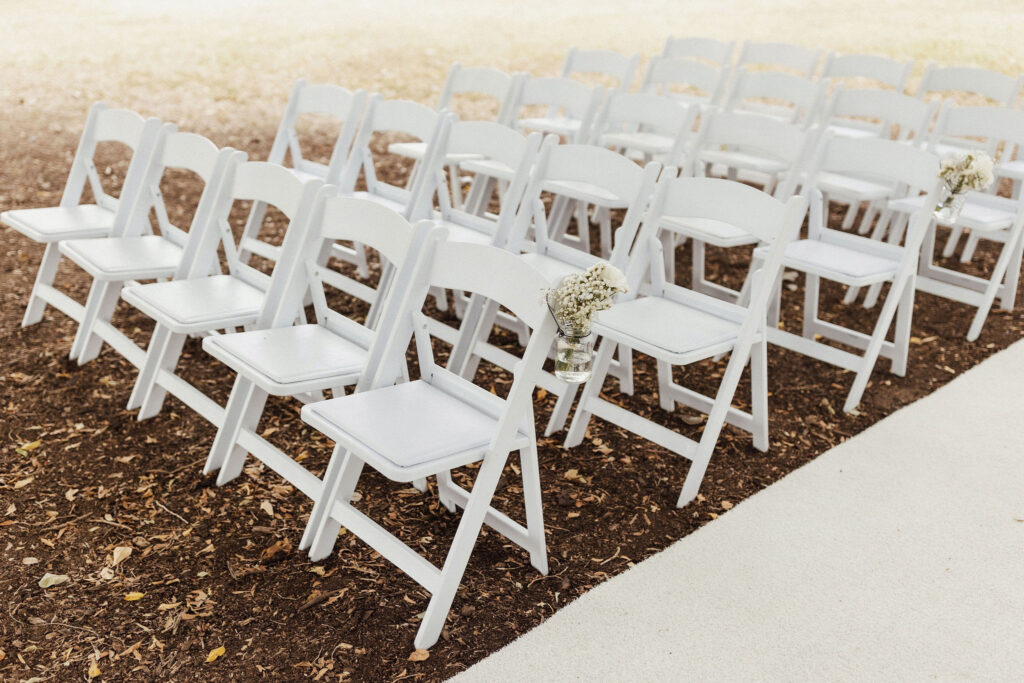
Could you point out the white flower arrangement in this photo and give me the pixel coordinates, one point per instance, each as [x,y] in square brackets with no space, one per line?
[969,171]
[579,297]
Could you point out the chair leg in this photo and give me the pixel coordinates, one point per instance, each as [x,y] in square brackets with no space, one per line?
[664,382]
[44,276]
[668,250]
[362,266]
[251,229]
[953,241]
[992,288]
[99,307]
[625,374]
[860,382]
[972,244]
[444,486]
[850,216]
[244,409]
[865,223]
[759,393]
[716,419]
[1009,295]
[339,482]
[529,462]
[155,350]
[150,394]
[697,281]
[461,548]
[604,218]
[812,287]
[591,390]
[583,226]
[904,316]
[482,333]
[464,343]
[561,410]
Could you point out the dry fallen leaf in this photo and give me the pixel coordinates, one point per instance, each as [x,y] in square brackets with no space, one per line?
[121,553]
[52,580]
[32,446]
[726,505]
[24,482]
[30,560]
[574,475]
[419,656]
[214,654]
[94,670]
[267,507]
[276,552]
[133,596]
[164,606]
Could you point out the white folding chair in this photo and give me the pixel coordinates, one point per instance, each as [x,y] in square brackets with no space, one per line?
[801,60]
[871,70]
[390,117]
[717,52]
[127,255]
[332,353]
[987,216]
[689,80]
[580,173]
[571,107]
[320,99]
[646,127]
[441,421]
[754,147]
[678,326]
[790,98]
[871,113]
[857,261]
[73,220]
[201,303]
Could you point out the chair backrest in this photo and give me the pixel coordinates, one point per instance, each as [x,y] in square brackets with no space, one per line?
[984,128]
[104,124]
[480,80]
[877,111]
[494,274]
[564,96]
[589,166]
[486,141]
[389,116]
[614,65]
[648,113]
[266,183]
[801,60]
[318,98]
[911,170]
[883,70]
[173,150]
[665,72]
[716,51]
[993,85]
[758,135]
[759,91]
[335,218]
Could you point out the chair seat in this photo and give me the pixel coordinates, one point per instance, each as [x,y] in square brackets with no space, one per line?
[851,131]
[393,204]
[855,188]
[981,211]
[743,160]
[592,194]
[124,258]
[401,429]
[558,125]
[460,233]
[711,231]
[652,143]
[838,263]
[200,304]
[416,150]
[56,223]
[551,268]
[489,167]
[653,323]
[287,355]
[1011,169]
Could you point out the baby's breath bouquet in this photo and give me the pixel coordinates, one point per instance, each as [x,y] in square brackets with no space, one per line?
[962,173]
[573,305]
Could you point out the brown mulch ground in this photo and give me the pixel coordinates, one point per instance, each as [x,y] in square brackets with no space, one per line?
[217,567]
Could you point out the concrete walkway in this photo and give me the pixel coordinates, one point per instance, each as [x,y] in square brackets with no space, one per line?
[898,555]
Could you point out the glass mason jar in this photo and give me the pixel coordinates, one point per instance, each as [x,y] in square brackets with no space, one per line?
[574,355]
[950,205]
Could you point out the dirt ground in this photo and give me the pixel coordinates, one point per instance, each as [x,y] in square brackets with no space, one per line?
[216,567]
